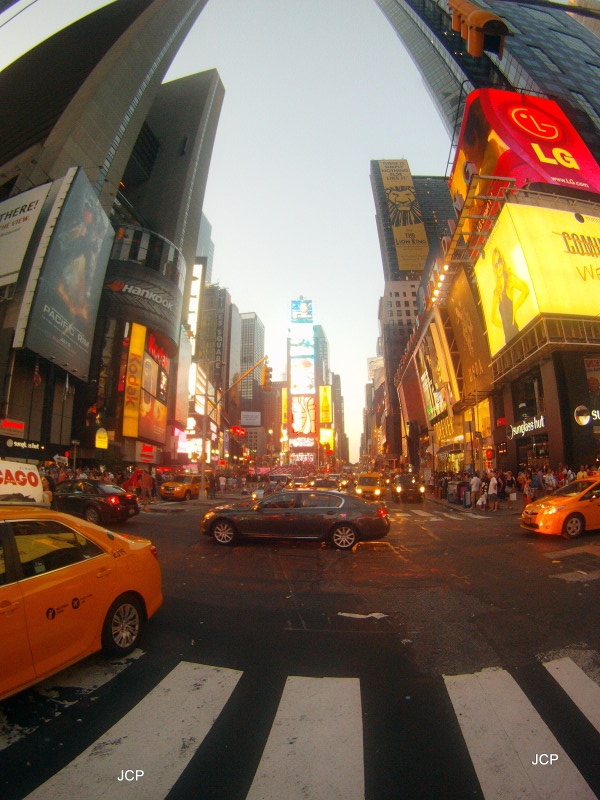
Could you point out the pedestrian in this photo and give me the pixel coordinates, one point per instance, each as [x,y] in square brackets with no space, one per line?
[475,486]
[510,489]
[528,491]
[493,492]
[146,482]
[222,483]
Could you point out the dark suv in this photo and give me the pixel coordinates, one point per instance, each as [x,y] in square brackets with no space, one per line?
[408,488]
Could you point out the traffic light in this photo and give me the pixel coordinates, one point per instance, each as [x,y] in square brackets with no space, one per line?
[267,375]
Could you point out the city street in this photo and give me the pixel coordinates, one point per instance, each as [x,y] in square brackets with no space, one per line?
[458,658]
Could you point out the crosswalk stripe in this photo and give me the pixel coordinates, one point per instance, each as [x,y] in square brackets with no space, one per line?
[581,689]
[159,737]
[315,746]
[505,736]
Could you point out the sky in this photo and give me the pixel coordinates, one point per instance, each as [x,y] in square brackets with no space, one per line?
[314,90]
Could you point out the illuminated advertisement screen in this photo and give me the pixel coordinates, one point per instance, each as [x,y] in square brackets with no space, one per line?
[518,136]
[302,310]
[469,335]
[63,314]
[304,346]
[325,407]
[303,414]
[302,375]
[537,260]
[432,385]
[404,215]
[146,386]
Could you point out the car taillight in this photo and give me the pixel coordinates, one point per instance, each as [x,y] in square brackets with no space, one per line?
[154,551]
[114,500]
[382,511]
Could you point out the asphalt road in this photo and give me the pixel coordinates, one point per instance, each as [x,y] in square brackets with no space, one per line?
[442,662]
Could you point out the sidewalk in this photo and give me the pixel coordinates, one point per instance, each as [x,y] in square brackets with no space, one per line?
[502,511]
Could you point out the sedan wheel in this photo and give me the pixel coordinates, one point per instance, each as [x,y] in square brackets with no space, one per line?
[573,526]
[123,626]
[223,532]
[91,514]
[344,537]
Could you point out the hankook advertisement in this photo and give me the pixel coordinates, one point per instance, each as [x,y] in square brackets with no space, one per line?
[538,260]
[144,296]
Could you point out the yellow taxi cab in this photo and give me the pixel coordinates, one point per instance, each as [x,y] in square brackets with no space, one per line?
[370,485]
[568,511]
[68,588]
[181,487]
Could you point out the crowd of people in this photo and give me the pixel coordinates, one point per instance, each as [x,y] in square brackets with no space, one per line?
[490,488]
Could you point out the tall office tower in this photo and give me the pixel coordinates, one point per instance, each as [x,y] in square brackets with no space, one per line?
[213,340]
[539,50]
[252,349]
[322,372]
[206,247]
[107,146]
[412,216]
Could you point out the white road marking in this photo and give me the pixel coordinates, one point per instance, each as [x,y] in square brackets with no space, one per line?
[315,747]
[158,737]
[581,689]
[505,735]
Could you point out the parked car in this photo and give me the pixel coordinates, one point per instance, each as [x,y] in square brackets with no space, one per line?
[568,511]
[335,517]
[67,589]
[181,487]
[369,485]
[408,488]
[95,501]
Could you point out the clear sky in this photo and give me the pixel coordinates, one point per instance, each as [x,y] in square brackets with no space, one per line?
[314,89]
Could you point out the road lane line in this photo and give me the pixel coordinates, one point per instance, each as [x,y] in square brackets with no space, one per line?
[315,747]
[505,734]
[158,736]
[582,690]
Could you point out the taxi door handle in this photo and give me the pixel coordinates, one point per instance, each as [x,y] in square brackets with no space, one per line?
[9,606]
[103,572]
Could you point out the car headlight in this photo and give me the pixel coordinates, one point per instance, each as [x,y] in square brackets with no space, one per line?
[421,489]
[398,489]
[377,491]
[552,509]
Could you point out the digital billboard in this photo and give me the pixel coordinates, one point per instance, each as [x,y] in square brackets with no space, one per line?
[303,414]
[18,216]
[146,386]
[62,318]
[404,215]
[518,136]
[302,375]
[302,310]
[470,336]
[538,261]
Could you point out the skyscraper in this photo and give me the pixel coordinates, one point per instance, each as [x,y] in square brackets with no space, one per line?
[545,51]
[100,138]
[412,214]
[253,349]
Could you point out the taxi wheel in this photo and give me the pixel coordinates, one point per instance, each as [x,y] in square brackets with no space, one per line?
[223,532]
[91,514]
[344,537]
[573,526]
[187,496]
[123,625]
